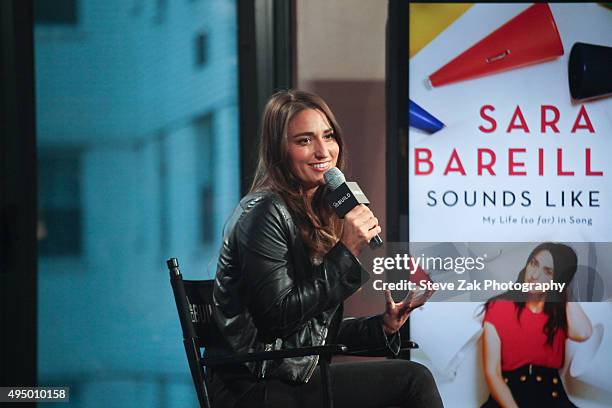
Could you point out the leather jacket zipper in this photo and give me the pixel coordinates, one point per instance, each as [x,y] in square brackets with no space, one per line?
[312,368]
[314,363]
[264,363]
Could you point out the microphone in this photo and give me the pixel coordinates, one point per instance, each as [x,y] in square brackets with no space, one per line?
[345,195]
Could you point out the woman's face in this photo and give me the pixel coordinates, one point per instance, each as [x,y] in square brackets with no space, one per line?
[540,268]
[312,148]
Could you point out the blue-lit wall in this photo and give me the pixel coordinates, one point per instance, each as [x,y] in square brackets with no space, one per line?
[121,91]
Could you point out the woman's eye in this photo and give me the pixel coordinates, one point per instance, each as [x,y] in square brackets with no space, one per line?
[329,136]
[303,141]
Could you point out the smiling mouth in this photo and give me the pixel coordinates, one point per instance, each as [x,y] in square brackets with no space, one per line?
[320,166]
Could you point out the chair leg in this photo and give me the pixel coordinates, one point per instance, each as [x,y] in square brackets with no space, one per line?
[204,399]
[326,382]
[197,372]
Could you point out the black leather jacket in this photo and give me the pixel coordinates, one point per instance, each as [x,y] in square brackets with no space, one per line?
[269,296]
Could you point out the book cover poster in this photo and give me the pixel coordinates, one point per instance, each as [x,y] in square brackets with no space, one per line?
[509,143]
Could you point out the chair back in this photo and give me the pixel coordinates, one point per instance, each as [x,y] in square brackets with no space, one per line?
[199,295]
[194,305]
[194,300]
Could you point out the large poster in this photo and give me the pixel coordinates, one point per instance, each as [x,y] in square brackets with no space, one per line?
[509,142]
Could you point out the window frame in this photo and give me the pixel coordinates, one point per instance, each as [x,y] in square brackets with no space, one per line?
[266,41]
[18,248]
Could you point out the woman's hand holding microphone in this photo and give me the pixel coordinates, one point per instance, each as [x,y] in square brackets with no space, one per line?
[360,226]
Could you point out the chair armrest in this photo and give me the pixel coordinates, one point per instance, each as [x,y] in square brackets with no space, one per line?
[238,358]
[382,351]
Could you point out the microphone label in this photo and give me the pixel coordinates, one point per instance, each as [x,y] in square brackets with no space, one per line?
[346,197]
[337,204]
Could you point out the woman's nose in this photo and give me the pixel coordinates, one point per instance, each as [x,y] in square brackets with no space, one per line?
[320,149]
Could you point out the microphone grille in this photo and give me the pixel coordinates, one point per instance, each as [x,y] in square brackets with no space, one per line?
[333,178]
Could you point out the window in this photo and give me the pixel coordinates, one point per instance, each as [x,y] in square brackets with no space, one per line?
[59,196]
[201,49]
[206,176]
[55,12]
[128,134]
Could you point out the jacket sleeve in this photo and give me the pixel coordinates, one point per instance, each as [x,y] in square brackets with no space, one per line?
[360,333]
[279,305]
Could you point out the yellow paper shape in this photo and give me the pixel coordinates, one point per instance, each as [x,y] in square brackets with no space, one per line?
[427,20]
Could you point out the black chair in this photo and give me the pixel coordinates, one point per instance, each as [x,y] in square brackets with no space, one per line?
[194,306]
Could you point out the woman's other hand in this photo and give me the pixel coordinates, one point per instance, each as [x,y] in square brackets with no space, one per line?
[396,314]
[360,226]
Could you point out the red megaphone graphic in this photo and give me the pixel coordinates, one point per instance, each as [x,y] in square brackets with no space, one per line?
[528,38]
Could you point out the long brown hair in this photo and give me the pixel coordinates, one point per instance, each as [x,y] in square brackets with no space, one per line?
[565,264]
[319,227]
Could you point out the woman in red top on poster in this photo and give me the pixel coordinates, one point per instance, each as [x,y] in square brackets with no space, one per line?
[524,334]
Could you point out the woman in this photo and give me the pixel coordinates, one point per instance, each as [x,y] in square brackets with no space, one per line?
[286,265]
[524,334]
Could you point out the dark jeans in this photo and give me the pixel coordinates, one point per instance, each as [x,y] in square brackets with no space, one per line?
[388,383]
